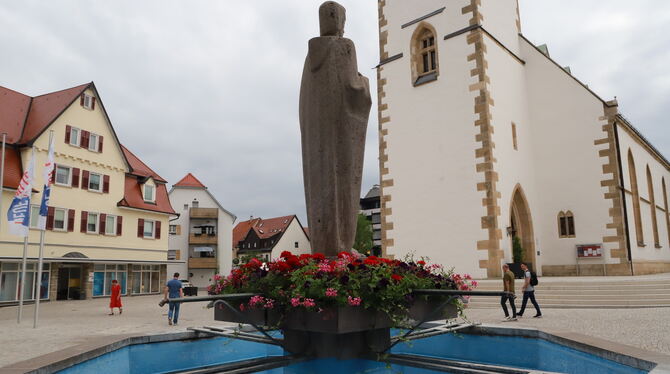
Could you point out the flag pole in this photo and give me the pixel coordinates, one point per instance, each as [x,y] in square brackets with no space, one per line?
[25,246]
[2,171]
[38,281]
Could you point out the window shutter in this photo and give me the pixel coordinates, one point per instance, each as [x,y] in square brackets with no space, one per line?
[93,103]
[84,180]
[85,135]
[178,230]
[50,218]
[103,223]
[75,177]
[70,220]
[53,174]
[140,228]
[68,131]
[105,183]
[157,227]
[84,217]
[119,225]
[100,137]
[81,100]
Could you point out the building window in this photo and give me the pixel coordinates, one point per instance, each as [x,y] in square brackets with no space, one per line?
[173,254]
[148,229]
[110,225]
[95,182]
[93,142]
[60,219]
[514,141]
[63,175]
[146,279]
[195,203]
[185,206]
[87,101]
[34,216]
[667,213]
[75,136]
[92,223]
[10,281]
[295,244]
[637,215]
[566,225]
[652,202]
[173,230]
[103,275]
[424,55]
[149,193]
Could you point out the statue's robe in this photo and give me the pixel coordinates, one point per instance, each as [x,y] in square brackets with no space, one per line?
[334,109]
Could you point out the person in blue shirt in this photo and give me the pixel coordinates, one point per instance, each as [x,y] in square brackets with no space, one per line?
[174,290]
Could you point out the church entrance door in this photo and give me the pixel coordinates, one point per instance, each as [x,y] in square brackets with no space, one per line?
[522,226]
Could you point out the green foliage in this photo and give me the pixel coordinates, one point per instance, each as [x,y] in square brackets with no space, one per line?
[363,242]
[517,250]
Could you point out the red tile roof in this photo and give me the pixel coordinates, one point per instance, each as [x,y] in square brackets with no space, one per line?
[133,197]
[264,228]
[14,109]
[139,168]
[46,108]
[189,181]
[13,168]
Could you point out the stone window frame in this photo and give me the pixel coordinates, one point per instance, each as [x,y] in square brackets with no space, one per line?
[566,224]
[652,212]
[632,174]
[424,31]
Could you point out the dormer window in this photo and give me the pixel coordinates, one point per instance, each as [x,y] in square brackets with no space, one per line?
[149,193]
[87,101]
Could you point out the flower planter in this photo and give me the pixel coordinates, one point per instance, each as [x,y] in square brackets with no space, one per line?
[424,308]
[257,316]
[336,320]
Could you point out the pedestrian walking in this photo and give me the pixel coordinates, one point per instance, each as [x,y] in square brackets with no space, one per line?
[528,293]
[508,288]
[174,290]
[115,298]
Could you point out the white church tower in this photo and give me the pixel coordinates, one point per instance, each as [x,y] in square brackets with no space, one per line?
[483,137]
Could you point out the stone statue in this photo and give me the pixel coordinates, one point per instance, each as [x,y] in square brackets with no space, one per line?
[334,108]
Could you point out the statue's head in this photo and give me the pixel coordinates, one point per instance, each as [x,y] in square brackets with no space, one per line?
[331,18]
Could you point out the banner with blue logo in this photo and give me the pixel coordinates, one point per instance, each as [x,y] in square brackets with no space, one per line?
[46,194]
[18,214]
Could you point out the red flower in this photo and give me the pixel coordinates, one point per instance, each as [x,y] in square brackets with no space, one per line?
[286,254]
[371,260]
[396,277]
[421,263]
[319,256]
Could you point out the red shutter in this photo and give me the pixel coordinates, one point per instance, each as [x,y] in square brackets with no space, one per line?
[84,217]
[84,180]
[75,177]
[140,228]
[68,130]
[158,229]
[105,183]
[100,137]
[119,225]
[81,100]
[70,220]
[53,174]
[50,218]
[92,103]
[85,136]
[103,223]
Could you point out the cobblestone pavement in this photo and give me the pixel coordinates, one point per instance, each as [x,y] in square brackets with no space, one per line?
[65,324]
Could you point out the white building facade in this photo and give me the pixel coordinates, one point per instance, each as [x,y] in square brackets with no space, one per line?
[503,142]
[200,239]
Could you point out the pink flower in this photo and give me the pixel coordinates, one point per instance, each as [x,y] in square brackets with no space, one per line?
[325,267]
[354,301]
[309,303]
[295,302]
[242,307]
[331,292]
[467,276]
[474,283]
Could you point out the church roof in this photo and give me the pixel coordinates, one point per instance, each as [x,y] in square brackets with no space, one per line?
[189,181]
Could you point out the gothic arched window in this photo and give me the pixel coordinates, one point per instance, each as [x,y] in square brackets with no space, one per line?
[424,55]
[566,224]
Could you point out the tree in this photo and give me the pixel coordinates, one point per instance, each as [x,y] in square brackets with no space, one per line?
[363,242]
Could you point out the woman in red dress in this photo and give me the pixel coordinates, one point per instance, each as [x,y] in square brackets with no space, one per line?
[115,300]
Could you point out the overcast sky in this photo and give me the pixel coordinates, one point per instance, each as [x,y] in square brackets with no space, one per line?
[211,87]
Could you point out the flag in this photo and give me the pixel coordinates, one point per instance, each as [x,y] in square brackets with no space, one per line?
[18,214]
[47,174]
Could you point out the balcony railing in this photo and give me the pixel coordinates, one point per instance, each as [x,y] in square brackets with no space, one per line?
[203,239]
[204,213]
[202,263]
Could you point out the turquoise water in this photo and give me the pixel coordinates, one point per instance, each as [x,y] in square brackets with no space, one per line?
[498,350]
